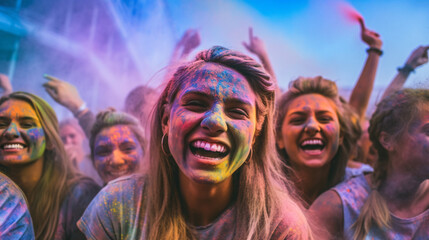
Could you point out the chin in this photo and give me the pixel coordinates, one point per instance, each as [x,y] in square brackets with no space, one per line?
[316,163]
[207,178]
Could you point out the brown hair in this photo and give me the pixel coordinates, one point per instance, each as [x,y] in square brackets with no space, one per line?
[394,115]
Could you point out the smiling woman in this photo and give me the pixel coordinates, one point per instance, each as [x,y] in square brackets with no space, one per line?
[33,155]
[213,172]
[117,144]
[313,135]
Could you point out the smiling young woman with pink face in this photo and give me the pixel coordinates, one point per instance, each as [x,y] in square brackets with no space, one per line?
[33,155]
[213,171]
[313,135]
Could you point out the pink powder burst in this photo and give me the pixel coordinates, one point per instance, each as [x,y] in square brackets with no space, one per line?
[350,12]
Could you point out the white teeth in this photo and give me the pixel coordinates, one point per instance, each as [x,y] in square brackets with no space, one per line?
[207,147]
[312,142]
[13,146]
[213,147]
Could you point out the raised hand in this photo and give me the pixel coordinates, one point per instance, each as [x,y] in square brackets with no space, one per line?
[190,40]
[255,45]
[63,93]
[370,37]
[418,57]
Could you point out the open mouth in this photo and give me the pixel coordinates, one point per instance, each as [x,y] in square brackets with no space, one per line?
[119,173]
[13,146]
[203,149]
[312,145]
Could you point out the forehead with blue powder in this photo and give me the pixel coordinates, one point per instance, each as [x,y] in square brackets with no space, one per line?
[218,81]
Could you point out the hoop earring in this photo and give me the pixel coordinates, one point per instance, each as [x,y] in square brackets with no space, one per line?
[162,145]
[249,157]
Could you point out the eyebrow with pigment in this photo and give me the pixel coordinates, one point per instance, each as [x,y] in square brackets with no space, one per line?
[193,93]
[26,118]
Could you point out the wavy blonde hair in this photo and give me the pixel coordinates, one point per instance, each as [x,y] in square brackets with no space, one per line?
[58,174]
[394,115]
[328,89]
[261,197]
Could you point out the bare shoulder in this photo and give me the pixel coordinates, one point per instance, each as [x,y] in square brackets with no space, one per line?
[326,214]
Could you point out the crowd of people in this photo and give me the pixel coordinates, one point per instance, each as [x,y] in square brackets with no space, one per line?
[220,153]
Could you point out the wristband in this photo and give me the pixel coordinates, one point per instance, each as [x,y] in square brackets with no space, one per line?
[406,69]
[82,107]
[376,50]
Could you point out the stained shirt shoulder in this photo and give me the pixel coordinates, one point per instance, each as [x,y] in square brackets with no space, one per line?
[354,172]
[72,208]
[15,220]
[353,194]
[116,212]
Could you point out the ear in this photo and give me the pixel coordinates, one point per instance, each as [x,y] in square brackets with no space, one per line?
[386,141]
[279,142]
[341,138]
[165,120]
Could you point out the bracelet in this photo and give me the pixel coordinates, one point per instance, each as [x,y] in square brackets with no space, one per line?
[82,107]
[376,50]
[406,69]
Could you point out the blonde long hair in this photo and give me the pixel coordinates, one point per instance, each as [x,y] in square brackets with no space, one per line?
[393,115]
[260,184]
[58,175]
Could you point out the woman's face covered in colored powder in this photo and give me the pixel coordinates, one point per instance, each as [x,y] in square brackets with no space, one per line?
[413,147]
[211,124]
[22,138]
[310,131]
[117,152]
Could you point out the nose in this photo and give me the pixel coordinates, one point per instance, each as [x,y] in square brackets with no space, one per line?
[214,120]
[312,127]
[117,159]
[12,131]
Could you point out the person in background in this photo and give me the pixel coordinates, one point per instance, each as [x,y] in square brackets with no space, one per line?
[117,145]
[33,156]
[15,219]
[314,135]
[77,148]
[392,202]
[419,57]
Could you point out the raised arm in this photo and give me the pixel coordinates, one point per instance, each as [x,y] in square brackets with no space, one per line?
[67,95]
[190,40]
[361,93]
[257,47]
[417,58]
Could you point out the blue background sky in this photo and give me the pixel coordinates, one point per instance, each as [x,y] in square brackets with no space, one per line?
[311,38]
